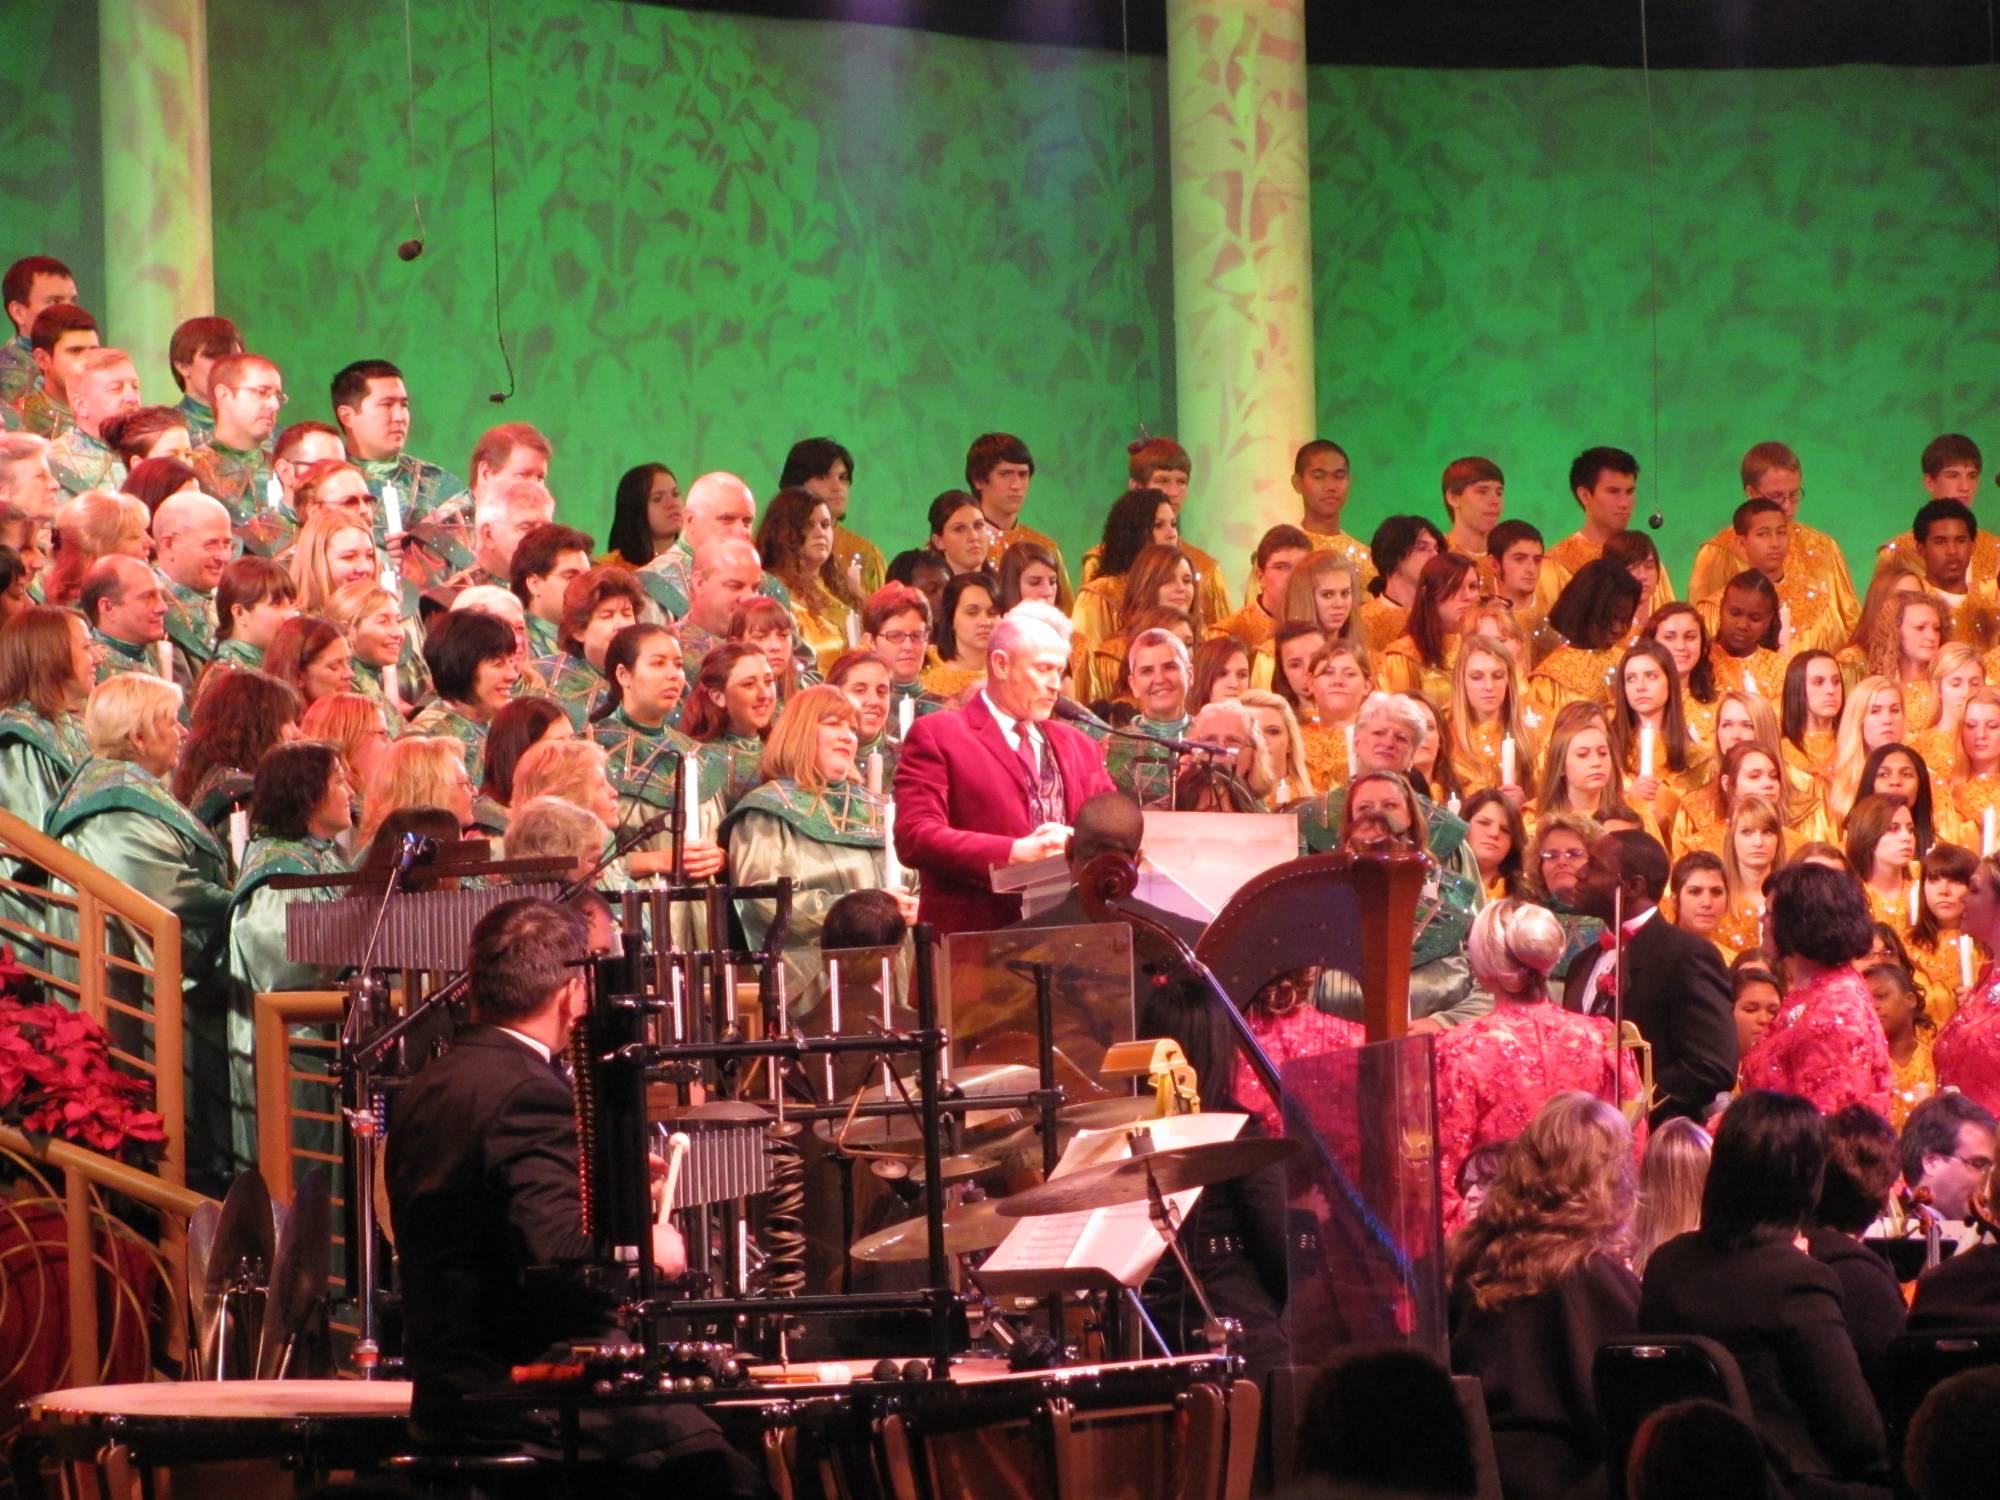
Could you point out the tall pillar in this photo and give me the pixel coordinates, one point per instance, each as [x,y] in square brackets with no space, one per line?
[159,243]
[1243,323]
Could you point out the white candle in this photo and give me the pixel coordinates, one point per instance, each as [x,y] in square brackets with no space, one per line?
[274,492]
[875,772]
[165,651]
[853,631]
[239,834]
[1451,804]
[1350,752]
[391,689]
[1965,961]
[1916,899]
[906,714]
[389,584]
[1646,741]
[691,799]
[1506,760]
[392,510]
[892,867]
[1986,831]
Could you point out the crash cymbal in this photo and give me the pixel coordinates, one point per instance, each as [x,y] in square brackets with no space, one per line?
[950,1168]
[907,1127]
[299,1275]
[1124,1181]
[968,1227]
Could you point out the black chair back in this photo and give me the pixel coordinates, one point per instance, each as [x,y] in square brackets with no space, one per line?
[1635,1377]
[1918,1361]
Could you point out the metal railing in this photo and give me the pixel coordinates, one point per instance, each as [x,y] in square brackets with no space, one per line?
[102,948]
[298,1101]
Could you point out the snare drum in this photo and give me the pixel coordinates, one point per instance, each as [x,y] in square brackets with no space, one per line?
[243,1438]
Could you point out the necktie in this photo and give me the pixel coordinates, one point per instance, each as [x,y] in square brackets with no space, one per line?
[1027,753]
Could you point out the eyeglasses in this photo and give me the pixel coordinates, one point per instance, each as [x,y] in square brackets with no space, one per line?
[1564,856]
[1977,1163]
[903,637]
[267,393]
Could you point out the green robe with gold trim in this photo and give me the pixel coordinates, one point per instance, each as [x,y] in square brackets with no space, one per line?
[1319,830]
[574,683]
[19,374]
[80,462]
[829,842]
[116,657]
[731,764]
[421,486]
[1146,771]
[234,477]
[257,959]
[37,758]
[43,415]
[191,625]
[200,417]
[669,580]
[447,719]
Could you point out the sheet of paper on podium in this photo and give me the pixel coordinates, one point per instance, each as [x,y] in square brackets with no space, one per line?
[1040,883]
[1119,1241]
[1195,861]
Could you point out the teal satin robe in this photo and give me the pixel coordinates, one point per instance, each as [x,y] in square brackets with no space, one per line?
[37,758]
[445,719]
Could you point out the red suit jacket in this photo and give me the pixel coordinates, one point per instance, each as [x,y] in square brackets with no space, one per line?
[961,801]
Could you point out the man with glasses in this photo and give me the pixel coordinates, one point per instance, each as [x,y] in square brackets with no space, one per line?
[896,626]
[1947,1150]
[194,543]
[1772,471]
[234,465]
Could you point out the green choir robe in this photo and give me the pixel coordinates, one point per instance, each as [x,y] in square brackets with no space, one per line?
[1320,819]
[267,530]
[421,486]
[368,683]
[19,374]
[574,683]
[220,792]
[190,625]
[731,764]
[541,636]
[234,477]
[1146,771]
[123,820]
[80,462]
[1441,982]
[257,961]
[669,579]
[448,719]
[37,758]
[829,842]
[116,657]
[200,418]
[43,415]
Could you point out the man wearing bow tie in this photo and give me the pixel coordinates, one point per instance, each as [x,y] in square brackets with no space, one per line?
[995,783]
[1676,989]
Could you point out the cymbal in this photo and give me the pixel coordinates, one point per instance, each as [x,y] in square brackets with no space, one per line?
[908,1126]
[1124,1181]
[1012,1136]
[950,1168]
[968,1227]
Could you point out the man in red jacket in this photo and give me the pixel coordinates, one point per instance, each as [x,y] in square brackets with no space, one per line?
[995,783]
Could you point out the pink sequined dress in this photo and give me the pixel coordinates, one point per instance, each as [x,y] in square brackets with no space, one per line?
[1967,1051]
[1495,1073]
[1302,1031]
[1827,1046]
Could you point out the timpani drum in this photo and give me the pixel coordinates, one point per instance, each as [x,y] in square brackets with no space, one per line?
[242,1438]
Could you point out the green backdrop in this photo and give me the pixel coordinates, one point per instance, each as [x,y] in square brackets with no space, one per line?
[721,234]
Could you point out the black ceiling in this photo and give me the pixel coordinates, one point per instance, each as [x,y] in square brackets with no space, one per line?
[1485,33]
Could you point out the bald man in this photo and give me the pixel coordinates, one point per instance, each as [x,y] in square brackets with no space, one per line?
[193,542]
[234,464]
[126,606]
[726,572]
[106,385]
[718,505]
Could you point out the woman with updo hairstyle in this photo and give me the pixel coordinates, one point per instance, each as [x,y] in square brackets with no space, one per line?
[1496,1071]
[234,723]
[370,618]
[96,524]
[149,432]
[1137,520]
[1827,1043]
[1538,1281]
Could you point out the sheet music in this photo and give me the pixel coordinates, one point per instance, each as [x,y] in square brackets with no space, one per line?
[1120,1241]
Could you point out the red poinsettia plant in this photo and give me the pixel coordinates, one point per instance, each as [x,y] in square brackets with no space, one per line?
[56,1076]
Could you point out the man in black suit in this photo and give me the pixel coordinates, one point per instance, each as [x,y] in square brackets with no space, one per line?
[482,1172]
[1676,988]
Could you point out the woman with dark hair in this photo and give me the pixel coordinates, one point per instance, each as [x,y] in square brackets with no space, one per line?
[1681,629]
[1028,570]
[959,533]
[1593,615]
[1294,647]
[153,479]
[1138,519]
[1634,551]
[824,469]
[1827,1043]
[522,723]
[471,655]
[795,541]
[1742,1280]
[253,599]
[1538,1281]
[1400,549]
[234,723]
[728,716]
[1881,846]
[645,515]
[300,803]
[923,570]
[1862,1167]
[766,624]
[645,754]
[866,680]
[1944,953]
[965,622]
[596,606]
[1421,659]
[312,657]
[1649,732]
[1498,839]
[1810,720]
[1160,578]
[1221,672]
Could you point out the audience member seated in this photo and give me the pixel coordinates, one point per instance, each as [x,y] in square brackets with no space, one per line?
[1861,1168]
[1741,1280]
[1538,1282]
[1949,1452]
[1384,1422]
[1697,1450]
[1671,1177]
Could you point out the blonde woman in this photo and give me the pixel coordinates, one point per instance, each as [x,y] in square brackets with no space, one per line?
[1906,642]
[1580,774]
[1324,592]
[1956,674]
[1279,729]
[1670,1181]
[1874,717]
[352,724]
[418,771]
[94,525]
[378,638]
[333,550]
[1976,789]
[1340,681]
[1752,848]
[1486,711]
[1748,770]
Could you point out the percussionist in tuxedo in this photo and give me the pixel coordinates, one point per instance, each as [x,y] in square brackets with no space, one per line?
[482,1172]
[996,782]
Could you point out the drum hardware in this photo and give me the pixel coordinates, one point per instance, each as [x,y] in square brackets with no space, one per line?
[231,1289]
[682,1367]
[297,1297]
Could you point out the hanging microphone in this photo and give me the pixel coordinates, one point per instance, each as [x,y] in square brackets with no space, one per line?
[410,249]
[1657,519]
